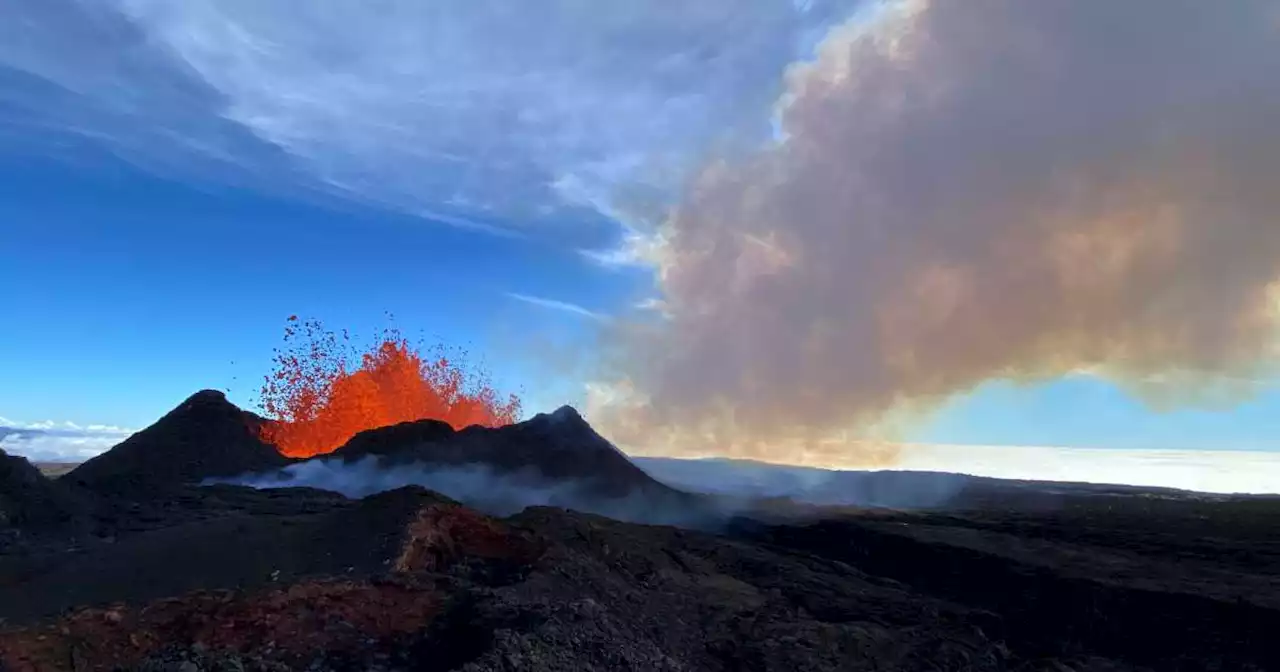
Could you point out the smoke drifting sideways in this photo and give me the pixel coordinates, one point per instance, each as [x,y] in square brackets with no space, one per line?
[482,488]
[723,489]
[967,191]
[745,482]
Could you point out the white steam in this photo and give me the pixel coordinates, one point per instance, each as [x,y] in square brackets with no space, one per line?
[478,486]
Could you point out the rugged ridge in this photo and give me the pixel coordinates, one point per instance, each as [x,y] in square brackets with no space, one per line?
[559,446]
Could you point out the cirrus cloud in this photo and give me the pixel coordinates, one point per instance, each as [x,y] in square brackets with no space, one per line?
[486,114]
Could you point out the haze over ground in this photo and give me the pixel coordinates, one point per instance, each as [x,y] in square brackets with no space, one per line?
[773,232]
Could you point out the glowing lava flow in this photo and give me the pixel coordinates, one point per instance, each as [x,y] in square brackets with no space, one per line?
[316,400]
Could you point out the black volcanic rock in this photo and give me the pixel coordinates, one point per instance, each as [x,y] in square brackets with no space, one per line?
[560,446]
[240,548]
[206,436]
[231,577]
[394,439]
[407,580]
[30,502]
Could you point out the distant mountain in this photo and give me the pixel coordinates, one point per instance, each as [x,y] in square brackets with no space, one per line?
[888,489]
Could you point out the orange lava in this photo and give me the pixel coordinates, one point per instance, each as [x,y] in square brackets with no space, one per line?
[317,397]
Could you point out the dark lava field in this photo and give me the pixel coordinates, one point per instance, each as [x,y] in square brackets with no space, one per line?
[194,546]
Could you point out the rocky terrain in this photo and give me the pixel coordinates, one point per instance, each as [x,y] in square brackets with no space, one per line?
[129,562]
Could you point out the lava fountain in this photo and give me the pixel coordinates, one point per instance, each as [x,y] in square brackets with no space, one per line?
[320,394]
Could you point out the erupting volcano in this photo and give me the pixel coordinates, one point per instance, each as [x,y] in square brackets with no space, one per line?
[320,394]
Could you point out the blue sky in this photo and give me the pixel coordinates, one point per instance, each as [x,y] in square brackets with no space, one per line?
[176,181]
[135,290]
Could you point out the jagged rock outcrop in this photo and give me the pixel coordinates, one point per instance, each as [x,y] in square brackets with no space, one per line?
[206,436]
[30,503]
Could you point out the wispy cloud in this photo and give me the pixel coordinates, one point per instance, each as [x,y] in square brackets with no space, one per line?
[487,114]
[634,250]
[651,303]
[563,306]
[79,74]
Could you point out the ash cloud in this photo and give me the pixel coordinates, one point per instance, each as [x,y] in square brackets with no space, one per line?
[746,481]
[966,191]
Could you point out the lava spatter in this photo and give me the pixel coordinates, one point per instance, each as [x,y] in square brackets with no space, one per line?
[321,393]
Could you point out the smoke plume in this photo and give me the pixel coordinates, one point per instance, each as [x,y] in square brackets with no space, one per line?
[481,487]
[965,191]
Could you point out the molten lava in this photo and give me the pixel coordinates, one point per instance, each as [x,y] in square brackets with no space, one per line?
[317,398]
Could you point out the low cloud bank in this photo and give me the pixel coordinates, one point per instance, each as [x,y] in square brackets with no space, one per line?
[58,442]
[933,474]
[1211,471]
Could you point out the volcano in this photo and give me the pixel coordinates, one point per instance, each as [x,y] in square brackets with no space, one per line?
[550,459]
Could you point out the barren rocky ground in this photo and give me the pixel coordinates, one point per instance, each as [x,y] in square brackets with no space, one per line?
[130,564]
